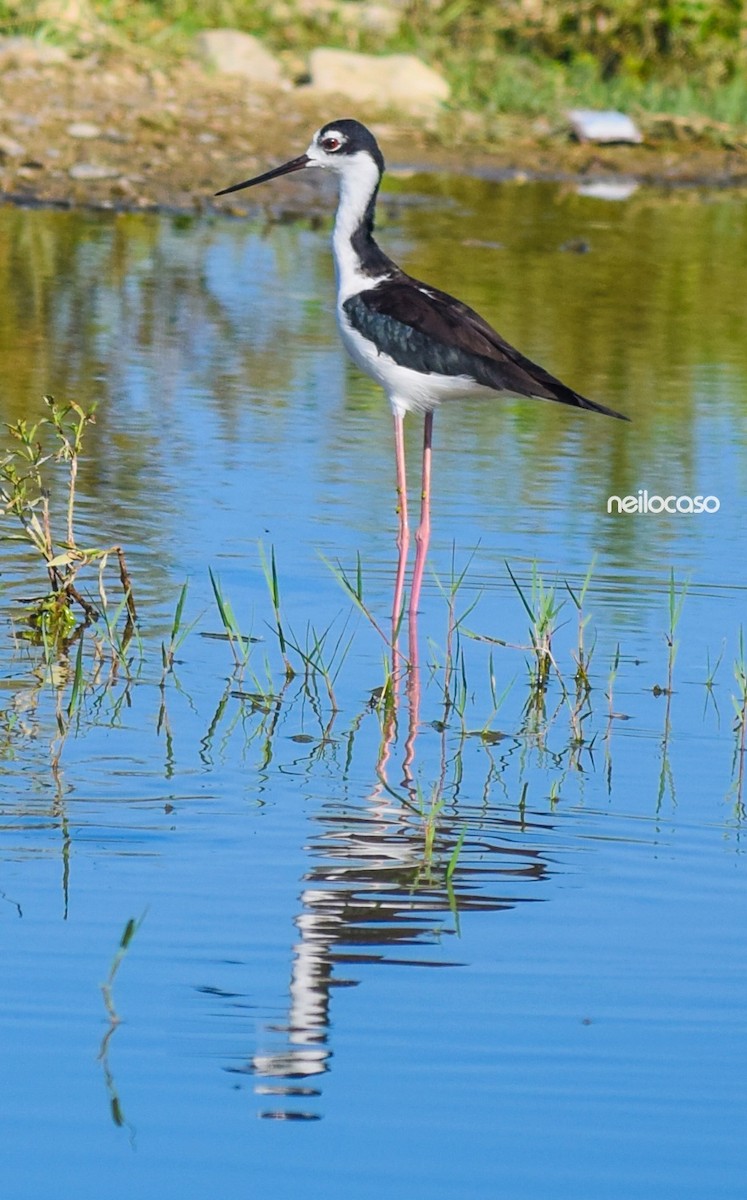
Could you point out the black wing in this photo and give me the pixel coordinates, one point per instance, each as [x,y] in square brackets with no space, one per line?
[427,330]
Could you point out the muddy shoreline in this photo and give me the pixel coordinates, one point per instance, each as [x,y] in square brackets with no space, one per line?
[116,135]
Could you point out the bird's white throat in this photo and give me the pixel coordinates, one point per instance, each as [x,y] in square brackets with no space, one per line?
[359,179]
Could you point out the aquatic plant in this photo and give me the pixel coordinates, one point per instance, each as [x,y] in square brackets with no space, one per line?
[675,612]
[354,591]
[44,457]
[240,644]
[273,586]
[543,609]
[583,653]
[79,670]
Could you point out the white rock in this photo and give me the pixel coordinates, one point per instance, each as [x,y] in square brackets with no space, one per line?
[382,81]
[10,148]
[590,125]
[83,129]
[231,52]
[90,172]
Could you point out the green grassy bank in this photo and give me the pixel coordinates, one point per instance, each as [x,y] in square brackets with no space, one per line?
[683,58]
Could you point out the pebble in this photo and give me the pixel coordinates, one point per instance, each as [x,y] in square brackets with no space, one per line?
[83,129]
[28,120]
[592,125]
[10,147]
[124,187]
[90,172]
[576,246]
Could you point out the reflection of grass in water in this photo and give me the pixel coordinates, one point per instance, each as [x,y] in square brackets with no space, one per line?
[107,991]
[80,668]
[80,671]
[675,612]
[107,988]
[553,726]
[740,727]
[437,871]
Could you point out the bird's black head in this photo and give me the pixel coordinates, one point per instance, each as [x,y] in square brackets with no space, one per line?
[345,146]
[347,136]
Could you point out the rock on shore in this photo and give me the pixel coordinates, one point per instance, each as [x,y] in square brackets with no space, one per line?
[231,52]
[399,81]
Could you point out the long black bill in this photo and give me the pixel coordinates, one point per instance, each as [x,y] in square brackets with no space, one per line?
[296,164]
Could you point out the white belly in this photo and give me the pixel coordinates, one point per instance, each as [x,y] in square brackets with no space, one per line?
[407,390]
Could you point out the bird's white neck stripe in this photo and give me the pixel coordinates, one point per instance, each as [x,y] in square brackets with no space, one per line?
[358,182]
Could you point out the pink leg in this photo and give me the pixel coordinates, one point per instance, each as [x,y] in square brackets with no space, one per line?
[403,536]
[422,537]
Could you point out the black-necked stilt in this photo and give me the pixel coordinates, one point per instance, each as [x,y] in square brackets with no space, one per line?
[420,344]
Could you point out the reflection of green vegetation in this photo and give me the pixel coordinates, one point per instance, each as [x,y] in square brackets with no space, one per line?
[453,685]
[645,322]
[78,287]
[107,991]
[649,321]
[107,988]
[658,292]
[740,727]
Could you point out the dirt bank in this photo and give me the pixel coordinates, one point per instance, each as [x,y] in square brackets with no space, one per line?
[119,135]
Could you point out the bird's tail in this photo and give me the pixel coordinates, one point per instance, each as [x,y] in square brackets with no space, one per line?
[566,395]
[527,378]
[544,386]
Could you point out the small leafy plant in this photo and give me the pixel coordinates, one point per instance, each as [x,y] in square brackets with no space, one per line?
[39,452]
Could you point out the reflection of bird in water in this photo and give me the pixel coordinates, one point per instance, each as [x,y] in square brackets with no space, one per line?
[372,896]
[420,344]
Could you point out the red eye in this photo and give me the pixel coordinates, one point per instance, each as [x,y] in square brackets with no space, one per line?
[331,144]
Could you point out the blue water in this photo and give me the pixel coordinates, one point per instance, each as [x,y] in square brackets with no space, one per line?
[469,953]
